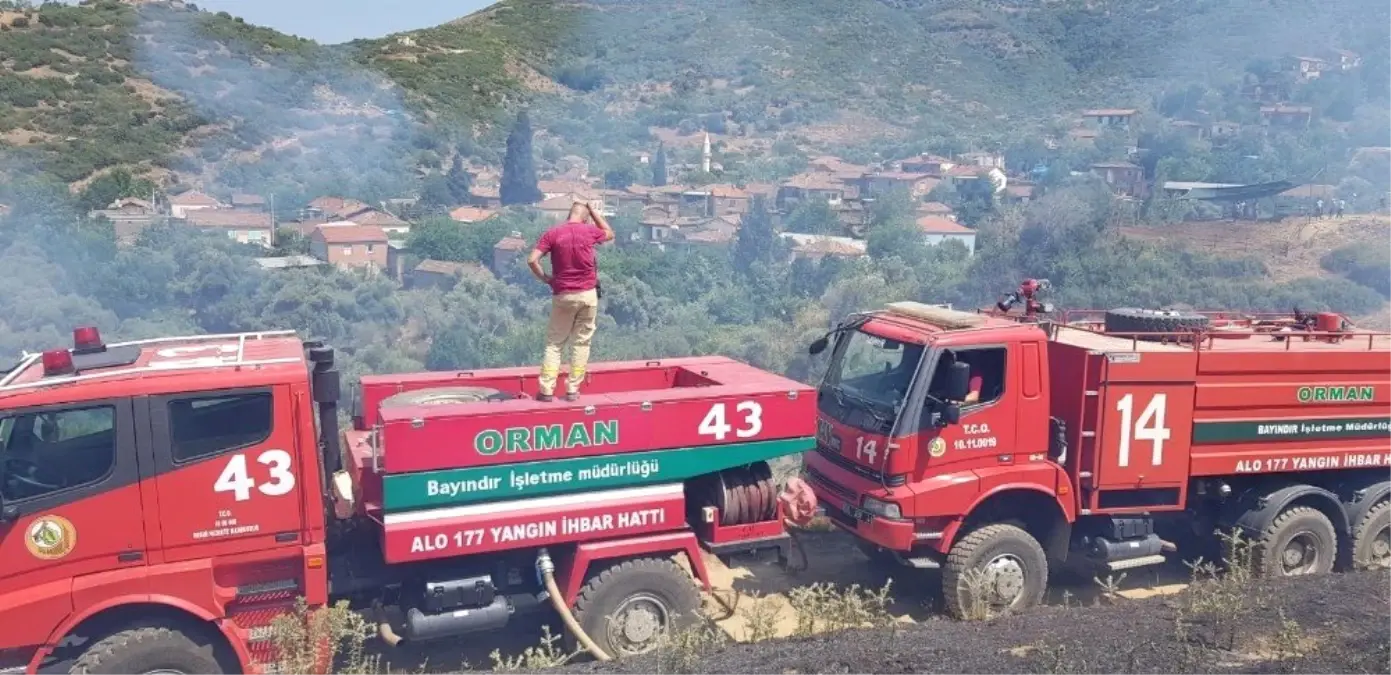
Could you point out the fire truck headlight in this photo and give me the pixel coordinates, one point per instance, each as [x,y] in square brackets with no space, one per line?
[882,509]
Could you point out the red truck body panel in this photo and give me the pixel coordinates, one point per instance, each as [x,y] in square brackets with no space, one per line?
[1142,418]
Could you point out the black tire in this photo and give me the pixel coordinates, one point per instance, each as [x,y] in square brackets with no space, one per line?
[442,395]
[1012,566]
[1371,539]
[151,649]
[626,607]
[1301,541]
[1132,320]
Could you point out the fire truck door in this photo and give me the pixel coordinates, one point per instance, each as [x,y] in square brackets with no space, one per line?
[227,475]
[70,478]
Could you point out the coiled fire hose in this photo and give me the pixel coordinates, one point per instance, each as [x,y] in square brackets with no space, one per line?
[547,570]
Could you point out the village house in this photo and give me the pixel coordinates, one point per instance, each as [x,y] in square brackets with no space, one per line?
[128,216]
[1123,177]
[508,253]
[444,274]
[486,196]
[394,227]
[931,165]
[351,246]
[915,184]
[1189,129]
[1287,116]
[247,202]
[242,226]
[961,173]
[695,203]
[1307,68]
[471,214]
[816,247]
[1110,118]
[556,188]
[728,199]
[1345,59]
[333,208]
[808,186]
[936,209]
[180,205]
[937,229]
[986,160]
[837,168]
[1222,129]
[1019,192]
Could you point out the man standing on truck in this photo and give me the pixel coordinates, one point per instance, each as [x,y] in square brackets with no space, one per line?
[574,282]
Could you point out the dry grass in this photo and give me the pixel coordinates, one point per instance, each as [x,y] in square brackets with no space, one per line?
[327,639]
[823,607]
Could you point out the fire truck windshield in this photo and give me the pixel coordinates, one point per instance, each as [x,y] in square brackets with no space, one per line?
[873,371]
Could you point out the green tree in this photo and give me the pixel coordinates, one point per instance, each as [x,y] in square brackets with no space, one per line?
[435,193]
[756,243]
[619,178]
[814,217]
[659,166]
[116,184]
[519,166]
[459,182]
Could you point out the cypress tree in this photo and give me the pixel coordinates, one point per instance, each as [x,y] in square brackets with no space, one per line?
[659,166]
[519,166]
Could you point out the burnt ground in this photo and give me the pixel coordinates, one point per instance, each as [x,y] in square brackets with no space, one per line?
[1341,620]
[1342,624]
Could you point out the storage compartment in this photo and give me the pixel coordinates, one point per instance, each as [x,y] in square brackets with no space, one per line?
[441,596]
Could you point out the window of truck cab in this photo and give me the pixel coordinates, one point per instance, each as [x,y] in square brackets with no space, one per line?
[54,450]
[874,368]
[986,361]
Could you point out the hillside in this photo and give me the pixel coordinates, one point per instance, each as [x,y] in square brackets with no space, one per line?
[180,95]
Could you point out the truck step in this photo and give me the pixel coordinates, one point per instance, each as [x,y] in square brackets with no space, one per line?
[1132,563]
[922,563]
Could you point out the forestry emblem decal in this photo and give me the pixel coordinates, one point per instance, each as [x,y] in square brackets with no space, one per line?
[937,447]
[50,537]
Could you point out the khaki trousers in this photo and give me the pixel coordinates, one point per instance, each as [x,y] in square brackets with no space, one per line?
[572,318]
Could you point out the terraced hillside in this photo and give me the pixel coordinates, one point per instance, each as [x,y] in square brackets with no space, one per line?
[167,90]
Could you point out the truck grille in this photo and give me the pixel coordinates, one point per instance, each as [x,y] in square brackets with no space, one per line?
[836,458]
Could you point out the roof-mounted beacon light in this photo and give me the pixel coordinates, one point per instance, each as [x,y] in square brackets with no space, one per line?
[87,340]
[57,362]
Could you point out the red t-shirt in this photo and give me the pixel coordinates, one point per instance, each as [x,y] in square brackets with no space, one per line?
[571,248]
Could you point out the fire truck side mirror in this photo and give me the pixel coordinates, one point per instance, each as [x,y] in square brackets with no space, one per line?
[950,414]
[818,345]
[958,381]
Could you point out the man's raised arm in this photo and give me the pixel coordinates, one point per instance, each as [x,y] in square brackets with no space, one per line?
[602,222]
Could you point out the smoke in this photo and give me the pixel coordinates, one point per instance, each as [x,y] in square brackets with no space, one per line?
[283,115]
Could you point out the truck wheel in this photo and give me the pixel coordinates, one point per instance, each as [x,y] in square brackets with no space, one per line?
[442,395]
[1132,320]
[626,607]
[1301,541]
[152,649]
[1371,539]
[994,569]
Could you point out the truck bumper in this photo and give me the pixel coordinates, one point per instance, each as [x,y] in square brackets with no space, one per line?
[839,496]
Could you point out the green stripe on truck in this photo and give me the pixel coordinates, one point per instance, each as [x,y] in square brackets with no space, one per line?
[433,489]
[1290,429]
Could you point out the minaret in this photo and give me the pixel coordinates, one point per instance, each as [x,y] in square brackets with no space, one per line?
[705,154]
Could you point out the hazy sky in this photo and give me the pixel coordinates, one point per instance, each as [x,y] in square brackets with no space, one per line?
[332,21]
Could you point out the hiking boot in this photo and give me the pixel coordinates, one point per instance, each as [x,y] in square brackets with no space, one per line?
[545,398]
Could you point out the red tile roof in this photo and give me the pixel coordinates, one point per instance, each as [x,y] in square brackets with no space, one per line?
[512,242]
[471,214]
[228,219]
[193,198]
[940,225]
[351,234]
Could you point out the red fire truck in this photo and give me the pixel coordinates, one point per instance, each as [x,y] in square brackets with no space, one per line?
[957,441]
[161,501]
